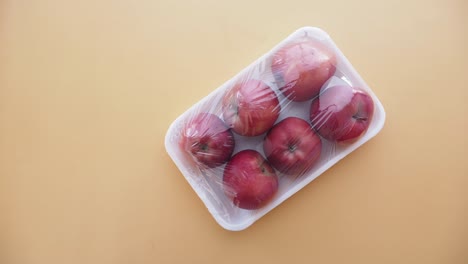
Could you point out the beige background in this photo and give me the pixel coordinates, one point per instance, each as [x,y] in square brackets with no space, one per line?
[88,89]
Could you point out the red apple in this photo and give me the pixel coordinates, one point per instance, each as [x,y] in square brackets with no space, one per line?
[250,108]
[302,68]
[292,146]
[342,113]
[249,181]
[207,140]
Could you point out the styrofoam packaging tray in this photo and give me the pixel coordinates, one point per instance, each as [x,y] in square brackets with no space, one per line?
[208,183]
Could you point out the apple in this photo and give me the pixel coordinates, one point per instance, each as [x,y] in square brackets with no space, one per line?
[292,146]
[207,140]
[342,113]
[302,68]
[249,181]
[250,108]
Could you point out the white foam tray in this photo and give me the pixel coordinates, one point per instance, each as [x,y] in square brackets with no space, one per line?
[207,185]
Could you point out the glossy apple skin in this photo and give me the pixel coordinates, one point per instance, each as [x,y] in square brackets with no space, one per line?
[302,68]
[342,113]
[250,108]
[249,181]
[292,146]
[207,140]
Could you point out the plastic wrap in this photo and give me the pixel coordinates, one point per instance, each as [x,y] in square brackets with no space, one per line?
[273,128]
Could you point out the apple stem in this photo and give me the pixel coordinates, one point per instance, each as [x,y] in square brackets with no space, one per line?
[204,147]
[360,118]
[292,148]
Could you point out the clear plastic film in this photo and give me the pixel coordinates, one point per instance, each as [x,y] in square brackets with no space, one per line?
[273,128]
